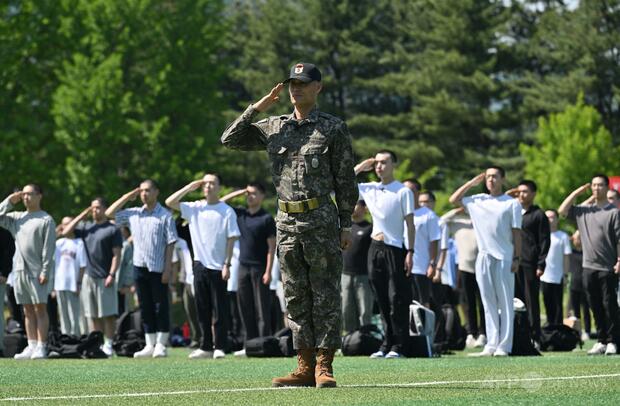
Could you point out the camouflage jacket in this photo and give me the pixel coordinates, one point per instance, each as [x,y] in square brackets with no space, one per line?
[309,158]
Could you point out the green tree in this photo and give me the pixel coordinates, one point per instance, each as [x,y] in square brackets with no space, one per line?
[569,148]
[140,96]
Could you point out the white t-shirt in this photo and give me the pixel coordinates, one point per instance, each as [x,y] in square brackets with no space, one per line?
[494,217]
[388,206]
[554,269]
[210,226]
[427,230]
[69,258]
[182,254]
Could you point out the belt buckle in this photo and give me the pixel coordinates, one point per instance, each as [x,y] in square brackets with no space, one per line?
[295,207]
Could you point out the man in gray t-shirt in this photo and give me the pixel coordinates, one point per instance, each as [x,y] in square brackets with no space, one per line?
[599,227]
[35,235]
[103,243]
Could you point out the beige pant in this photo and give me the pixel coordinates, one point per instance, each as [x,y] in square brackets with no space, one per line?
[98,300]
[69,311]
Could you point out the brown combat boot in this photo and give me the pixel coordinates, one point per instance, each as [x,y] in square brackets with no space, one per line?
[324,373]
[303,375]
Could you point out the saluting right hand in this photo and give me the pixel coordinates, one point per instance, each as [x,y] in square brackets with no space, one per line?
[367,165]
[134,193]
[478,179]
[14,198]
[270,99]
[195,185]
[582,189]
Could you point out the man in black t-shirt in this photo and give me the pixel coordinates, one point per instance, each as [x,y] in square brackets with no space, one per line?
[256,252]
[357,299]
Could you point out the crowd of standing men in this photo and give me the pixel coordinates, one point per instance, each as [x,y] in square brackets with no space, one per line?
[494,247]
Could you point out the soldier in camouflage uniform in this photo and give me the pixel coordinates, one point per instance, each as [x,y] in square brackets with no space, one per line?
[311,156]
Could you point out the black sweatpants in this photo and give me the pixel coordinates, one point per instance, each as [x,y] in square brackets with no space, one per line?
[154,301]
[552,297]
[601,288]
[392,290]
[579,302]
[473,304]
[527,288]
[212,304]
[254,298]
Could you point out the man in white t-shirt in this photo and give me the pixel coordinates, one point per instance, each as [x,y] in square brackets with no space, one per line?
[70,260]
[557,262]
[497,222]
[213,228]
[426,249]
[391,206]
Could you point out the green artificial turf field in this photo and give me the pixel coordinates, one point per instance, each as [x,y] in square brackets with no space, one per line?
[555,378]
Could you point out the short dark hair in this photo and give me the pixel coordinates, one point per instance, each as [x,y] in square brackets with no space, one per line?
[36,188]
[530,184]
[430,194]
[414,182]
[501,170]
[258,186]
[101,201]
[602,176]
[361,203]
[217,175]
[615,192]
[391,153]
[151,182]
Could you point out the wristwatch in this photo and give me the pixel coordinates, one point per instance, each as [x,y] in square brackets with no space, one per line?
[228,263]
[346,229]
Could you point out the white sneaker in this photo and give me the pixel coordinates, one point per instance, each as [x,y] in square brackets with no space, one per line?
[378,354]
[484,353]
[146,352]
[26,353]
[240,353]
[39,353]
[198,353]
[160,351]
[217,354]
[585,336]
[611,349]
[394,354]
[500,353]
[537,345]
[107,349]
[598,349]
[470,341]
[481,341]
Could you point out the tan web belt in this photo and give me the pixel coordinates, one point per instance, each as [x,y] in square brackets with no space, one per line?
[302,206]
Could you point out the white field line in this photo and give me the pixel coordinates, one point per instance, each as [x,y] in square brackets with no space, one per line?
[235,390]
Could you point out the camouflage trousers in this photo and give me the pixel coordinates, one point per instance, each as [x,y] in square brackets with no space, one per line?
[311,266]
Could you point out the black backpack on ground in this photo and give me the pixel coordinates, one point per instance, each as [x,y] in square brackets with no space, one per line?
[71,346]
[129,335]
[558,337]
[522,343]
[15,339]
[363,341]
[285,336]
[268,346]
[14,343]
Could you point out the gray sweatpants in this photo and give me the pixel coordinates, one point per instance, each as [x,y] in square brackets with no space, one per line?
[357,301]
[69,310]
